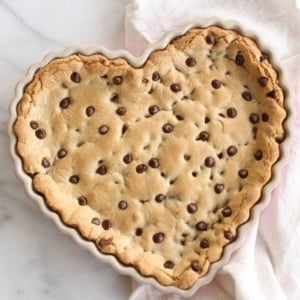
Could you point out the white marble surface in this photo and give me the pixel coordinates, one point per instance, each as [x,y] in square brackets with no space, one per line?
[37,261]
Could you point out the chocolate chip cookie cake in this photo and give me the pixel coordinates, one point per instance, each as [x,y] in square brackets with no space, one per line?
[158,165]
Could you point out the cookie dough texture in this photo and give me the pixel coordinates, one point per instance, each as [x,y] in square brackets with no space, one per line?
[203,202]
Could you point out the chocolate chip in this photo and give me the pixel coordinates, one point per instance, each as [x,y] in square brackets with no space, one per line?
[209,161]
[62,153]
[247,96]
[220,155]
[82,200]
[89,110]
[186,157]
[231,112]
[279,139]
[155,76]
[206,120]
[203,136]
[117,80]
[175,87]
[96,221]
[102,170]
[121,111]
[226,212]
[254,118]
[239,60]
[160,198]
[45,163]
[124,128]
[74,179]
[64,103]
[228,235]
[127,159]
[158,237]
[182,241]
[196,266]
[231,150]
[201,226]
[190,62]
[265,117]
[192,208]
[34,125]
[263,81]
[172,181]
[141,168]
[254,132]
[143,201]
[169,264]
[210,39]
[40,133]
[243,173]
[153,109]
[219,187]
[103,129]
[167,128]
[75,77]
[123,204]
[271,94]
[216,84]
[258,154]
[154,162]
[204,244]
[114,98]
[139,231]
[104,242]
[106,224]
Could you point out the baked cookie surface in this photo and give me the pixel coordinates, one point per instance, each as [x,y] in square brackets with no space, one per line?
[157,165]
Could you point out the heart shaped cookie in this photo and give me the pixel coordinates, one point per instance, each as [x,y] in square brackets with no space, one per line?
[158,165]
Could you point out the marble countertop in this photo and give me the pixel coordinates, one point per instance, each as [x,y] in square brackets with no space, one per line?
[37,261]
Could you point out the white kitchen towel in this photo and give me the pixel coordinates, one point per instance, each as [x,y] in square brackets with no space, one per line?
[267,266]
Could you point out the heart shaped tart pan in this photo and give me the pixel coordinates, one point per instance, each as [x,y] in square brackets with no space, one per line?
[156,161]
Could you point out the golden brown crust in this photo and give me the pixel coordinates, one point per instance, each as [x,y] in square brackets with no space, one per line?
[200,175]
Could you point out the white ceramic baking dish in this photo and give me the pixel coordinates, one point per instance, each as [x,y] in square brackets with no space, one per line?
[139,61]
